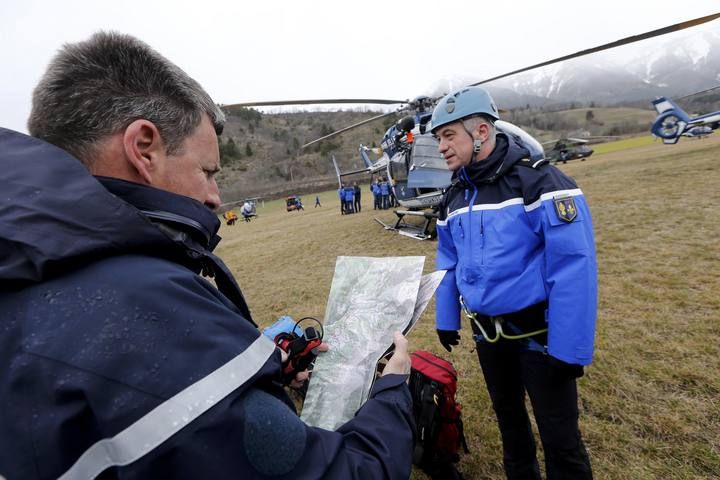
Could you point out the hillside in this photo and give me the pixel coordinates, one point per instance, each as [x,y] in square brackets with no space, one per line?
[267,161]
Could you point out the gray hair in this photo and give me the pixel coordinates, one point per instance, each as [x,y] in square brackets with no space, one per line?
[472,123]
[98,87]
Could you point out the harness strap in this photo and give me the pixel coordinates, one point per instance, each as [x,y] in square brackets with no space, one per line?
[171,416]
[498,322]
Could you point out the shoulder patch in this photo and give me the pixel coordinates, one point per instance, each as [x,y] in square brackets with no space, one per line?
[565,208]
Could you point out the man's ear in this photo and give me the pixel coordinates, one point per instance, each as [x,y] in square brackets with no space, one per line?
[482,132]
[143,147]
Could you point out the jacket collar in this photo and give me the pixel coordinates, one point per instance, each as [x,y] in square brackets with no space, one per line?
[161,207]
[505,154]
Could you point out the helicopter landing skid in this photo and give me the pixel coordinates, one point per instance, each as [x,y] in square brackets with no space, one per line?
[418,232]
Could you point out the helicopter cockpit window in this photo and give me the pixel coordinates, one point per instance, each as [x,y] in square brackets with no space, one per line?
[428,170]
[399,167]
[425,153]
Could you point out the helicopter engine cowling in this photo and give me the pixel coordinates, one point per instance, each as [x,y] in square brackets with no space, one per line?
[668,126]
[524,138]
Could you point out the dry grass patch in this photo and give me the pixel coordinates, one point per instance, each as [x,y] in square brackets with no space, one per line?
[649,403]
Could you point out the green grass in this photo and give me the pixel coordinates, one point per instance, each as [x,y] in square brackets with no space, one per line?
[650,403]
[624,144]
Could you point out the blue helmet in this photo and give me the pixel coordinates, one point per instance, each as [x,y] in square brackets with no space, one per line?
[463,103]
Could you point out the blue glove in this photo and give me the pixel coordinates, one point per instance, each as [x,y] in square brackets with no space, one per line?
[448,338]
[285,324]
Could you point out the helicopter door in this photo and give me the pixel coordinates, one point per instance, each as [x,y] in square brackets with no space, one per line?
[398,170]
[428,170]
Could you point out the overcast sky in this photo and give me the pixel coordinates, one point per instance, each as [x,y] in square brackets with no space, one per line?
[278,50]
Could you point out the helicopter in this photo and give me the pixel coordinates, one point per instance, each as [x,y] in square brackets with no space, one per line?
[566,149]
[672,122]
[698,132]
[417,172]
[409,155]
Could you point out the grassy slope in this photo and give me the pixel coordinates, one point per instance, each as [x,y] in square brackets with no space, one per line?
[650,401]
[612,115]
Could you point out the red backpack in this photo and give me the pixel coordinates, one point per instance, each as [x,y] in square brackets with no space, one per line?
[433,384]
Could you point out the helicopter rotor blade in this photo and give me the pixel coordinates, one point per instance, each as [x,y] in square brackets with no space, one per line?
[623,41]
[698,93]
[337,132]
[316,102]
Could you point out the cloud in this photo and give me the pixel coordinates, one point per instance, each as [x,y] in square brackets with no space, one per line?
[242,51]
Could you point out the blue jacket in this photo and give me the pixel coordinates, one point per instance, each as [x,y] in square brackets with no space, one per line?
[528,238]
[104,316]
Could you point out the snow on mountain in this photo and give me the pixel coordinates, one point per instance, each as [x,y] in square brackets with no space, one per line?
[675,67]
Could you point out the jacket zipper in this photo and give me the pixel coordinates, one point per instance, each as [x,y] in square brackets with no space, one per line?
[468,241]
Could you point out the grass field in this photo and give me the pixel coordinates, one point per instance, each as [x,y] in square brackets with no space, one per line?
[625,144]
[650,403]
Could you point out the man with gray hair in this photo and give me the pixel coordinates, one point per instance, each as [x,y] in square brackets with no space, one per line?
[516,239]
[118,356]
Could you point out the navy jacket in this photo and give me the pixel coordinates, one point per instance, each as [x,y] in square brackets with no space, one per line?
[513,233]
[104,316]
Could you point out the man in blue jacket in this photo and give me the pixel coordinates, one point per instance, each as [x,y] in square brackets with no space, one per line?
[119,359]
[516,238]
[384,193]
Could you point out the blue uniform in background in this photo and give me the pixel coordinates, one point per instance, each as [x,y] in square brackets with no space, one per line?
[385,194]
[375,188]
[516,239]
[104,318]
[349,197]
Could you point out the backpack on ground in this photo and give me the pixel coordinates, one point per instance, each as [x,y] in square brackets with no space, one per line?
[439,435]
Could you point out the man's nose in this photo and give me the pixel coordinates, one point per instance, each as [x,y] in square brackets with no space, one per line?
[213,197]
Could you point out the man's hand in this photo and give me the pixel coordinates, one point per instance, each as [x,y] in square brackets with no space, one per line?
[399,363]
[448,338]
[301,377]
[560,370]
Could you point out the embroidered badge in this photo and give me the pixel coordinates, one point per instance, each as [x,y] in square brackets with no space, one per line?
[565,208]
